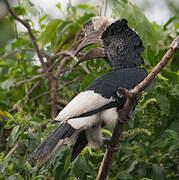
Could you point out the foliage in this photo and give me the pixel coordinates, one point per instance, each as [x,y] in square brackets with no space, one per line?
[149,146]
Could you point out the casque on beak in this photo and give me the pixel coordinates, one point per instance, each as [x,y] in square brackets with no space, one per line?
[93,30]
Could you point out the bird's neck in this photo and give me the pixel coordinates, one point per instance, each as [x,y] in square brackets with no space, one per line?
[117,68]
[121,61]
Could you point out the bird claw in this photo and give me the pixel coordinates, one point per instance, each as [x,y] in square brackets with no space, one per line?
[129,116]
[107,142]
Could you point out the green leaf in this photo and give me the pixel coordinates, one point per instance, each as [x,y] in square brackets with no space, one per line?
[125,176]
[105,131]
[37,119]
[14,135]
[172,133]
[25,136]
[67,162]
[36,125]
[174,65]
[173,18]
[7,84]
[162,77]
[19,10]
[164,103]
[132,166]
[88,79]
[16,176]
[158,173]
[150,33]
[83,6]
[85,17]
[14,132]
[49,32]
[174,126]
[172,76]
[3,166]
[58,5]
[63,32]
[42,18]
[79,168]
[174,146]
[151,56]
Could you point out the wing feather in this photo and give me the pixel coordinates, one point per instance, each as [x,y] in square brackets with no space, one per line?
[84,102]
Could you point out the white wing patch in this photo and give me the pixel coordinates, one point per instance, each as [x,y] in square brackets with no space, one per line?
[84,102]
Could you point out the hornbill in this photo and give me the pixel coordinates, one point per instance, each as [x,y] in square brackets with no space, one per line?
[82,118]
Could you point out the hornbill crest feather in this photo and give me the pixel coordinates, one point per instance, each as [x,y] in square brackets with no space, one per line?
[120,46]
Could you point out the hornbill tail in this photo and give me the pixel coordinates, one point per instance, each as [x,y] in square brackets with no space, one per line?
[51,143]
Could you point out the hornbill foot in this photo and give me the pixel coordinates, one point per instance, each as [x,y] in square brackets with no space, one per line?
[107,142]
[129,116]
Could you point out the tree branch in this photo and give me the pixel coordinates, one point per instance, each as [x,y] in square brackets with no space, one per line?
[23,49]
[27,80]
[66,59]
[65,84]
[34,41]
[124,114]
[52,82]
[37,84]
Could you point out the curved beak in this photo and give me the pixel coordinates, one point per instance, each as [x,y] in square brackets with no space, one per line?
[92,35]
[93,30]
[86,42]
[92,54]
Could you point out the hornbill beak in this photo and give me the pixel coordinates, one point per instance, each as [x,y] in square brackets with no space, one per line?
[92,54]
[93,30]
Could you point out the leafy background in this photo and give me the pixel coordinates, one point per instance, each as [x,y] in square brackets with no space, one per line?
[150,143]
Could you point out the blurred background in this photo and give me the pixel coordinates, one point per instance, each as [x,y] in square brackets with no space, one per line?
[150,144]
[156,11]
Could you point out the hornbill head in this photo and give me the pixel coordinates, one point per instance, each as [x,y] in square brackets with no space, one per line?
[120,46]
[93,30]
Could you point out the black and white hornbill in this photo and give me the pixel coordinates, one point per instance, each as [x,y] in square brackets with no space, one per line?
[82,118]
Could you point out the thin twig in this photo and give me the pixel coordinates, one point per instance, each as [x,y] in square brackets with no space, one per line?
[66,59]
[16,146]
[24,49]
[27,80]
[15,106]
[12,150]
[124,114]
[47,92]
[40,76]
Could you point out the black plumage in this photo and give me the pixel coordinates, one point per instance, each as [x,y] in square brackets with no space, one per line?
[123,47]
[80,143]
[108,84]
[63,131]
[83,117]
